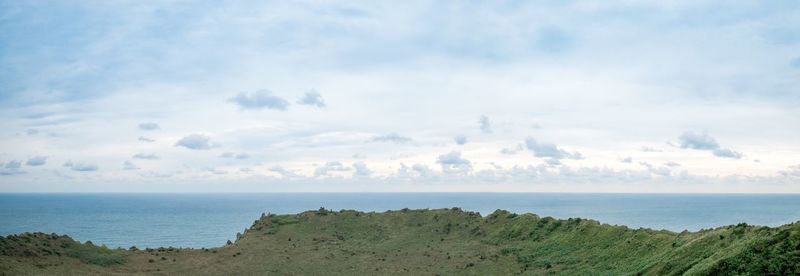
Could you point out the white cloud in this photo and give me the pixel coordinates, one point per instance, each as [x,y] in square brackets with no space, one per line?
[146,156]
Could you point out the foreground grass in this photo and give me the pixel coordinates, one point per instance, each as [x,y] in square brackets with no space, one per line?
[429,242]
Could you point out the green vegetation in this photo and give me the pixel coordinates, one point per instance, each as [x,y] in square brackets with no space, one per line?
[429,242]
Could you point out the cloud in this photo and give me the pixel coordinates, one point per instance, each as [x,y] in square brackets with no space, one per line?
[391,137]
[36,161]
[146,156]
[512,151]
[627,160]
[84,167]
[195,142]
[453,162]
[672,164]
[145,139]
[284,172]
[148,126]
[312,98]
[485,124]
[69,163]
[460,139]
[13,164]
[31,132]
[550,152]
[128,165]
[650,149]
[259,100]
[727,153]
[691,140]
[331,166]
[240,155]
[361,169]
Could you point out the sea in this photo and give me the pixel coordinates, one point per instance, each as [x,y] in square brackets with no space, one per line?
[209,220]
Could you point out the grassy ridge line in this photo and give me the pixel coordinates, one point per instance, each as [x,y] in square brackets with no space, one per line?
[429,242]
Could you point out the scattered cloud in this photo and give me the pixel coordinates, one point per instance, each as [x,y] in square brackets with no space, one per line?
[128,165]
[312,98]
[36,161]
[146,156]
[550,152]
[234,155]
[460,139]
[691,140]
[651,149]
[453,163]
[512,151]
[259,100]
[485,124]
[13,164]
[627,160]
[331,166]
[361,170]
[84,167]
[284,172]
[195,142]
[727,153]
[391,137]
[149,126]
[145,139]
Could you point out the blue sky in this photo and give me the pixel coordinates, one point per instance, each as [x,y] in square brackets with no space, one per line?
[567,96]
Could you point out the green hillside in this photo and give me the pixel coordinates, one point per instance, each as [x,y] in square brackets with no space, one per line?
[428,242]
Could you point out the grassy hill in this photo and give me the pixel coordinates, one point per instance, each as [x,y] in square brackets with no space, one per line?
[427,242]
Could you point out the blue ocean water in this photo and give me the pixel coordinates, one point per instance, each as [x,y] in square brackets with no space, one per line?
[206,220]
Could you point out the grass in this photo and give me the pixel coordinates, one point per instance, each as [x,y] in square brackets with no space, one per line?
[430,242]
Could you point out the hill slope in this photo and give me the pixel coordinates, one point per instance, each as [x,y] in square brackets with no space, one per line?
[428,242]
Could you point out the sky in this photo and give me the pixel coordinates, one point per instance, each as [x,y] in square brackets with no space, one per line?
[420,96]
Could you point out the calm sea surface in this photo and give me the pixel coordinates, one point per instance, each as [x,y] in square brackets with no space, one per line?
[206,220]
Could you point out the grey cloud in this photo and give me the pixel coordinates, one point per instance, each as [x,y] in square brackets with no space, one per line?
[331,166]
[312,98]
[240,155]
[453,162]
[672,164]
[460,139]
[128,165]
[83,167]
[259,100]
[68,163]
[36,161]
[662,170]
[13,164]
[284,172]
[391,137]
[146,156]
[31,132]
[485,124]
[148,126]
[691,140]
[511,151]
[361,169]
[549,151]
[195,142]
[145,139]
[627,160]
[215,171]
[727,153]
